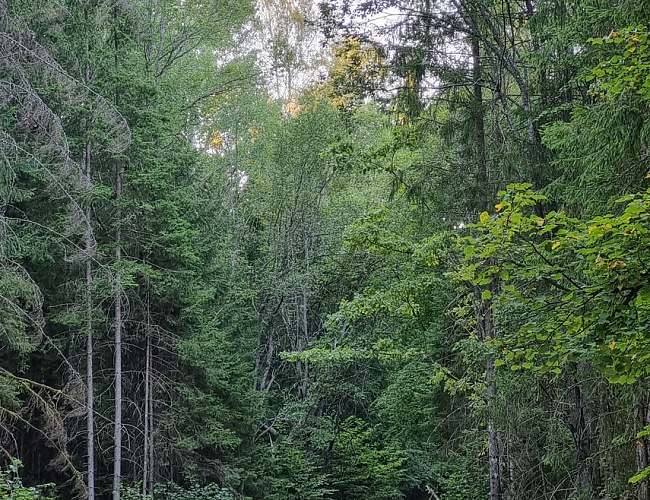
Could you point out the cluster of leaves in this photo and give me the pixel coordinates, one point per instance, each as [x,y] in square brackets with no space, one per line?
[12,488]
[171,491]
[580,287]
[629,69]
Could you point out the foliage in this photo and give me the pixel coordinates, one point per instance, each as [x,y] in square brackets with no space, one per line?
[360,469]
[624,72]
[316,302]
[194,492]
[11,486]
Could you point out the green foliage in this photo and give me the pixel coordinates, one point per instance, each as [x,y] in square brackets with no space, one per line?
[580,285]
[195,492]
[629,69]
[360,468]
[12,488]
[303,288]
[173,491]
[292,474]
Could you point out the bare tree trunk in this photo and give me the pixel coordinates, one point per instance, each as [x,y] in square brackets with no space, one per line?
[484,312]
[117,463]
[90,393]
[305,322]
[89,248]
[117,441]
[304,367]
[582,423]
[494,455]
[147,409]
[152,468]
[486,332]
[642,454]
[483,190]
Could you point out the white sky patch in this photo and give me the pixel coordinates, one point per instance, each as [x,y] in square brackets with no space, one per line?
[290,49]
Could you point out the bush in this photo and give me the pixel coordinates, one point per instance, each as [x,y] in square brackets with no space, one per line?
[11,486]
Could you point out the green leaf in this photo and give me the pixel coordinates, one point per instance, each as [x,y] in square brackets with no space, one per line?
[640,476]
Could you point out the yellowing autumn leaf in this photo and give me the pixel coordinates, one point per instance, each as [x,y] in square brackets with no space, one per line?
[216,141]
[555,245]
[292,108]
[612,345]
[484,217]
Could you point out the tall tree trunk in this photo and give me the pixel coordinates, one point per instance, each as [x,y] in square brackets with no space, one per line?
[483,190]
[484,312]
[642,455]
[117,441]
[90,393]
[117,463]
[89,248]
[150,451]
[486,332]
[582,422]
[304,309]
[147,396]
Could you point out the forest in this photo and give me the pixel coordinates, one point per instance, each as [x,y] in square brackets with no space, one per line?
[324,250]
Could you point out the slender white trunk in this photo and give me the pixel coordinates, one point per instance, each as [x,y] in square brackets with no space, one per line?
[152,468]
[117,458]
[146,468]
[90,395]
[117,441]
[89,246]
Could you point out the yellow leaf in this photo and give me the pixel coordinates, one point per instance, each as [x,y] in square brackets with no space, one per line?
[484,217]
[539,222]
[498,207]
[647,175]
[555,245]
[612,345]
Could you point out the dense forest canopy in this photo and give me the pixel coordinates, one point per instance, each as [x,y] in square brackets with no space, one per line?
[324,250]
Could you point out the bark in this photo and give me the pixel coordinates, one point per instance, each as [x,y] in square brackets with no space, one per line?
[642,449]
[117,458]
[479,123]
[485,332]
[483,24]
[583,424]
[88,250]
[117,440]
[90,396]
[485,323]
[147,414]
[304,369]
[152,463]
